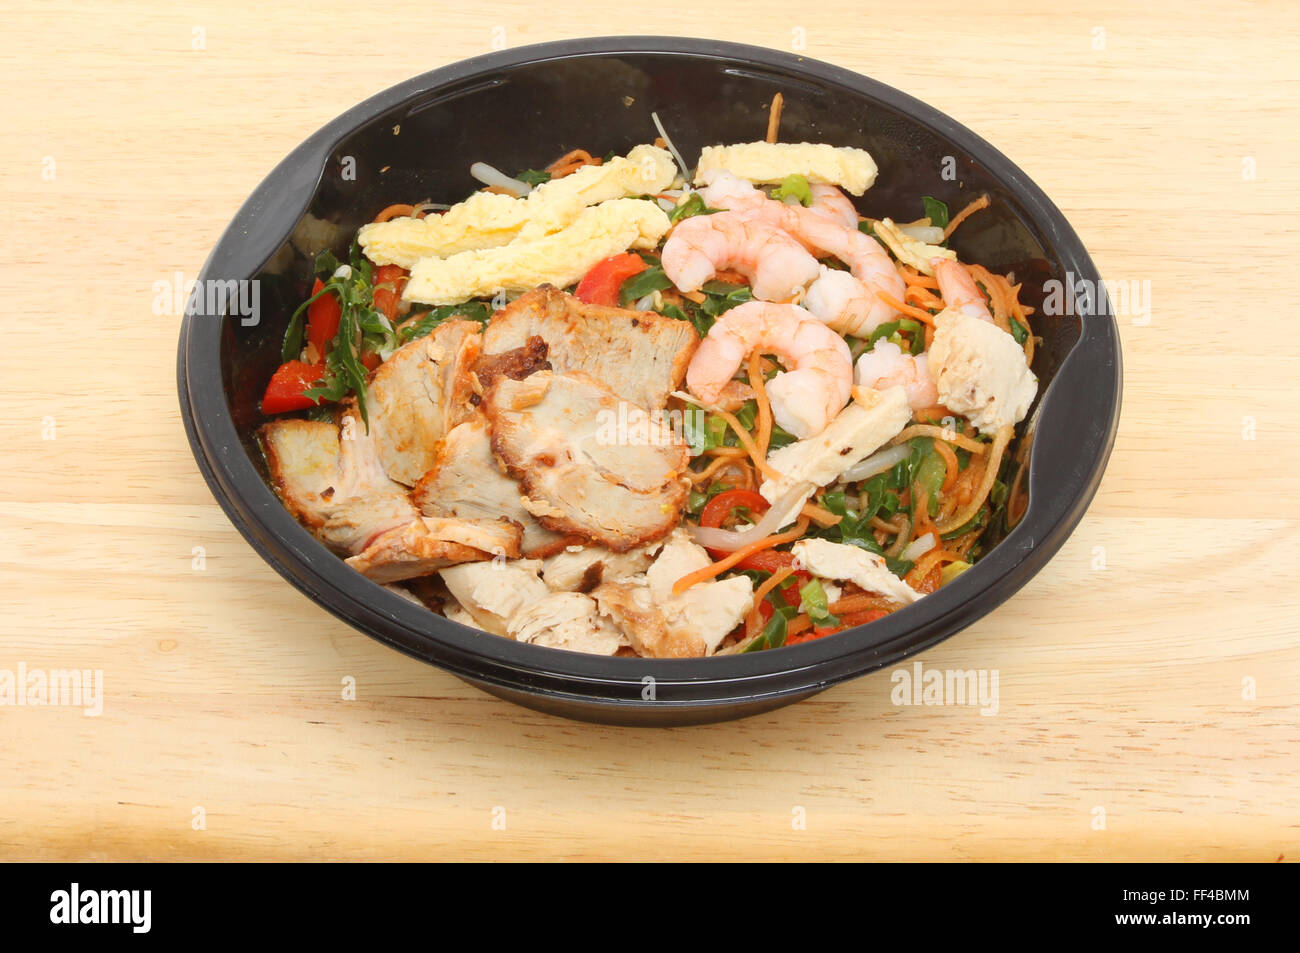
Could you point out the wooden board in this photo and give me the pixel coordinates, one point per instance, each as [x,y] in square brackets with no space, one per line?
[1148,677]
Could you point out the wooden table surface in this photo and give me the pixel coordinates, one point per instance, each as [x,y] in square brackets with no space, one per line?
[1148,676]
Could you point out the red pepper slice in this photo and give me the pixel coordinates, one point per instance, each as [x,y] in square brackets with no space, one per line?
[601,285]
[390,280]
[322,319]
[284,392]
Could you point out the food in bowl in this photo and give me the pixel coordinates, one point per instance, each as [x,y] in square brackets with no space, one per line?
[626,407]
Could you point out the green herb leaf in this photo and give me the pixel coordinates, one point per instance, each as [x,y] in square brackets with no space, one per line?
[690,208]
[780,437]
[773,634]
[696,500]
[796,187]
[534,177]
[643,283]
[935,211]
[812,600]
[478,311]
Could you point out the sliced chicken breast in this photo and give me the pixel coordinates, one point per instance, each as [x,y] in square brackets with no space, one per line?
[494,592]
[420,393]
[330,478]
[567,620]
[639,355]
[660,624]
[426,545]
[580,472]
[465,481]
[583,568]
[336,488]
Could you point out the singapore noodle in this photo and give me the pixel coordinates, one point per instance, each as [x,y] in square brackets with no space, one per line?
[848,392]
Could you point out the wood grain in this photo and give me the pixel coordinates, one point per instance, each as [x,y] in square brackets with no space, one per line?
[1121,665]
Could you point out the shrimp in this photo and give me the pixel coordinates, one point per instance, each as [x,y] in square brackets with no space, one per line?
[725,190]
[886,365]
[834,204]
[848,303]
[818,379]
[959,290]
[776,265]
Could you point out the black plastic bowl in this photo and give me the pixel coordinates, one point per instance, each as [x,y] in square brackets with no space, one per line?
[518,109]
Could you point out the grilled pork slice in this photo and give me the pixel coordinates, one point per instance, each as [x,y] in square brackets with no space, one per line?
[416,396]
[639,355]
[330,478]
[465,481]
[586,464]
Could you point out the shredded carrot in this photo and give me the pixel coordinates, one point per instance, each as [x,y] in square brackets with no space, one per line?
[914,278]
[862,602]
[774,117]
[394,211]
[571,162]
[919,313]
[937,412]
[764,407]
[922,297]
[994,460]
[927,562]
[819,515]
[747,441]
[942,448]
[722,565]
[971,209]
[993,286]
[753,619]
[726,452]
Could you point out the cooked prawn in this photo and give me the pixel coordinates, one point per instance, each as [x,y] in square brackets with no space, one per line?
[886,365]
[849,303]
[776,265]
[819,367]
[834,204]
[959,290]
